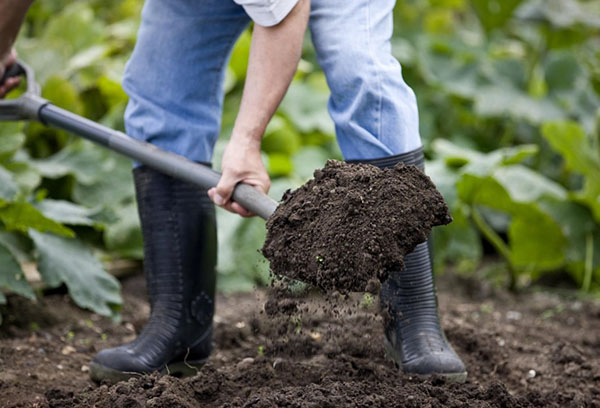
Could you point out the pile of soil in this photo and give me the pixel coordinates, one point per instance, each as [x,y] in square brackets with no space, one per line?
[530,350]
[352,224]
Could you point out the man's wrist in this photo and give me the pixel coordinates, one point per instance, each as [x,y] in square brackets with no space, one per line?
[250,138]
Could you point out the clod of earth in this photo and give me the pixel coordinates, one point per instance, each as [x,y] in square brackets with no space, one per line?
[351,224]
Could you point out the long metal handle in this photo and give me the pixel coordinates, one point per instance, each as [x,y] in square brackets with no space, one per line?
[150,155]
[31,106]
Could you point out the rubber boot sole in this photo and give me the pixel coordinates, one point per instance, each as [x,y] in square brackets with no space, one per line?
[100,373]
[392,354]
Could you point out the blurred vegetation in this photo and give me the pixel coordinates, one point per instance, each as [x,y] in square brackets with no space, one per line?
[509,97]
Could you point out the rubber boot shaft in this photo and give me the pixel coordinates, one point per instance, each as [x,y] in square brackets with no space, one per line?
[180,251]
[415,340]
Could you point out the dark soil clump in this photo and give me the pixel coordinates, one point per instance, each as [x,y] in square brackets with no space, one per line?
[352,223]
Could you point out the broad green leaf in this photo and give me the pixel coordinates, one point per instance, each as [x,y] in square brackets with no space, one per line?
[12,276]
[494,13]
[68,261]
[307,160]
[239,55]
[445,179]
[9,144]
[8,186]
[500,101]
[525,185]
[25,175]
[241,266]
[570,140]
[22,216]
[306,107]
[124,236]
[81,159]
[561,13]
[457,242]
[66,212]
[562,71]
[18,244]
[280,137]
[536,241]
[481,163]
[577,224]
[62,93]
[279,165]
[74,28]
[115,185]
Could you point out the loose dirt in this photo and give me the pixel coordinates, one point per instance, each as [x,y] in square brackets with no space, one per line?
[352,224]
[531,350]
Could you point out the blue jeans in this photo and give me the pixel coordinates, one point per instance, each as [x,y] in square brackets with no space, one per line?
[176,73]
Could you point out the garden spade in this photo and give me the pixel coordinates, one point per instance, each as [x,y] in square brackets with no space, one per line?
[31,106]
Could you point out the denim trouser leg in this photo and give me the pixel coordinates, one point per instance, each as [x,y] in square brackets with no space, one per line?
[374,111]
[175,76]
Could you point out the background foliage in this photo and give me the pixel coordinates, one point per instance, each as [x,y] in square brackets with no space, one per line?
[509,96]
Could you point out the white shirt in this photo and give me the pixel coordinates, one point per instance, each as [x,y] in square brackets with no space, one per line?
[267,12]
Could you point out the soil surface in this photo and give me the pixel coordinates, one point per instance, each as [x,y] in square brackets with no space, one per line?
[352,224]
[531,350]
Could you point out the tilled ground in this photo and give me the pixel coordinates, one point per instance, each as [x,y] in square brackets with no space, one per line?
[528,350]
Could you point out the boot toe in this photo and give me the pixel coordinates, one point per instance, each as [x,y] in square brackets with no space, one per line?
[116,364]
[445,362]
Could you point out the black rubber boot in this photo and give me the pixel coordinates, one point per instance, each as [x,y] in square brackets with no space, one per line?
[180,248]
[414,338]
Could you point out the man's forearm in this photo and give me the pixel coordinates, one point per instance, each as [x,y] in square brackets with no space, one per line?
[274,56]
[12,13]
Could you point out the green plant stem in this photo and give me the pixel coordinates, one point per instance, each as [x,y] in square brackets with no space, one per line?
[589,262]
[497,242]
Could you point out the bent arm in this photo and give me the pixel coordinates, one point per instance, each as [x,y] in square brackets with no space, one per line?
[274,55]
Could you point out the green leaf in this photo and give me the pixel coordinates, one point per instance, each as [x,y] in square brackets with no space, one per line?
[240,54]
[569,139]
[241,266]
[114,185]
[8,186]
[66,212]
[280,137]
[25,175]
[68,261]
[494,13]
[458,242]
[306,107]
[124,236]
[81,159]
[62,93]
[10,143]
[22,216]
[527,186]
[498,101]
[12,276]
[536,241]
[307,160]
[279,165]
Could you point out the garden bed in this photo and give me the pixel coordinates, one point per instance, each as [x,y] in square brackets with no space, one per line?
[528,350]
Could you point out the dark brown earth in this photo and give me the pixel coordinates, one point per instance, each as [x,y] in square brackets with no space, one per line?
[352,224]
[528,350]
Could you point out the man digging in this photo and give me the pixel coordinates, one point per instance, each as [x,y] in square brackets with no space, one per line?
[174,80]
